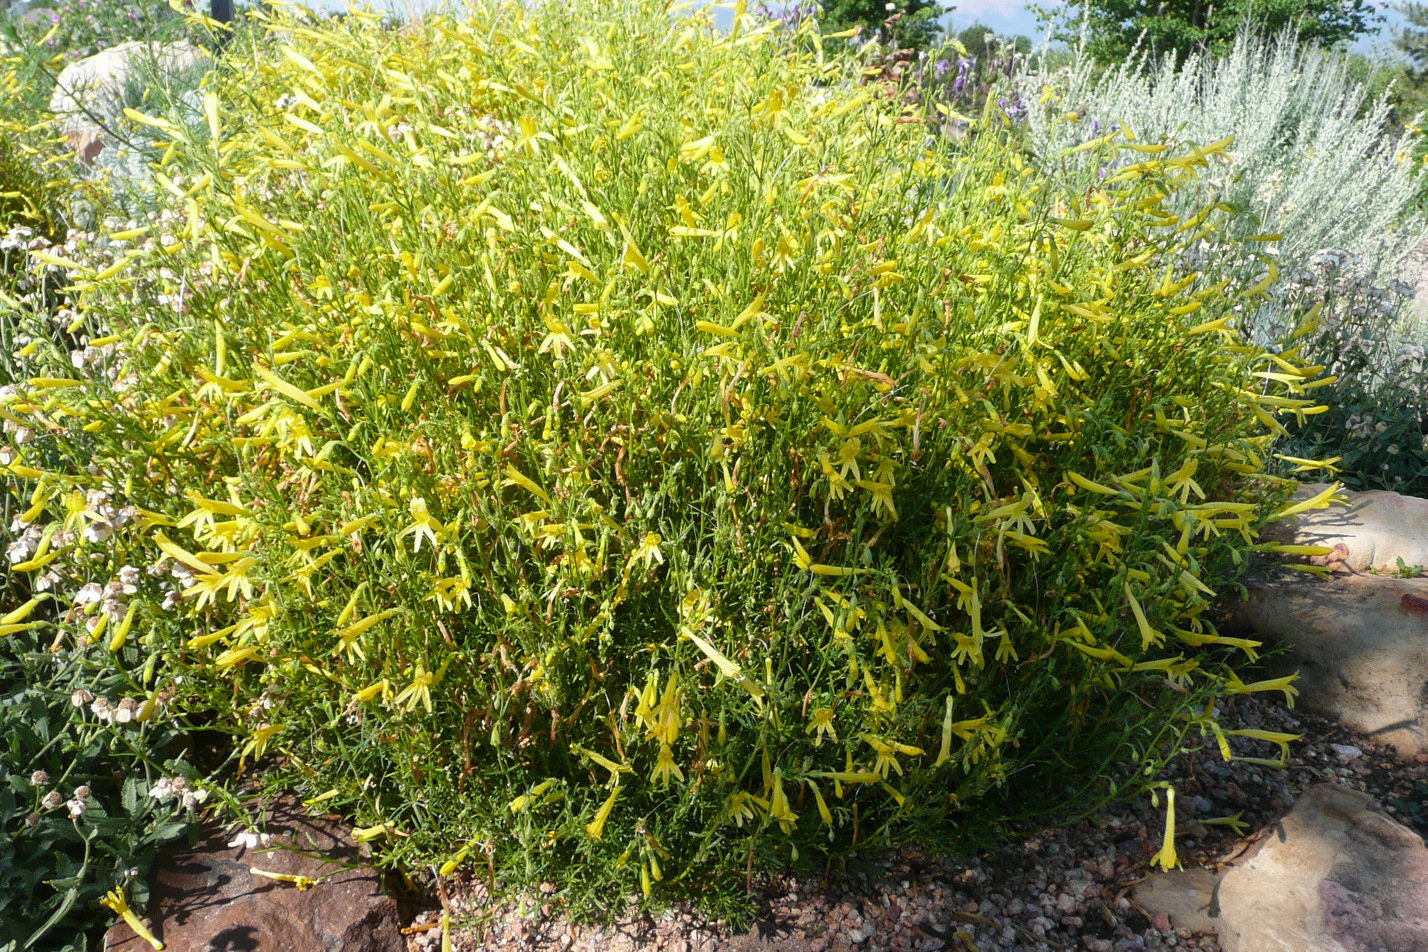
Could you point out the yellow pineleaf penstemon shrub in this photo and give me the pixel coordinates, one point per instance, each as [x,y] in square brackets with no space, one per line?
[597,447]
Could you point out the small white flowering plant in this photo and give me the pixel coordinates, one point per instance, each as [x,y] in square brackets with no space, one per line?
[91,777]
[1376,423]
[90,786]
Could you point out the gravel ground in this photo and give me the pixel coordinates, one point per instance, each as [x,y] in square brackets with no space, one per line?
[1064,889]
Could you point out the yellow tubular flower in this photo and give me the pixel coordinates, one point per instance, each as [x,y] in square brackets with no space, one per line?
[1165,857]
[1234,685]
[665,767]
[115,901]
[822,724]
[301,882]
[596,827]
[666,729]
[778,807]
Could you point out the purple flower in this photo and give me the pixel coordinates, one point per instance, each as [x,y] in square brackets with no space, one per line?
[789,17]
[941,68]
[964,72]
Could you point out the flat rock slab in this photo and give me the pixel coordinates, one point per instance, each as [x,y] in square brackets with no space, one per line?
[1359,643]
[1335,875]
[1375,529]
[207,899]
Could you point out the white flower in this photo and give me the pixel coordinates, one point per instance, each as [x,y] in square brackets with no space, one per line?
[248,841]
[19,551]
[52,800]
[80,698]
[82,792]
[76,808]
[39,778]
[89,594]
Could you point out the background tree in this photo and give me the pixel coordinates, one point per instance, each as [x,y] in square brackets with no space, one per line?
[1411,39]
[914,23]
[1181,27]
[983,43]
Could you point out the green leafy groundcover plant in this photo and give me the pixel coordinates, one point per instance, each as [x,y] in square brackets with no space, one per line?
[587,445]
[89,790]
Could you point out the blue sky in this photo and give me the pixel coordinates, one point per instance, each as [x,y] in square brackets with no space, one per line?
[1004,16]
[1012,16]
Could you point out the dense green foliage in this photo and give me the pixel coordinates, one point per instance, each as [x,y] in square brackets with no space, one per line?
[1117,29]
[911,23]
[555,442]
[982,43]
[31,183]
[24,198]
[71,31]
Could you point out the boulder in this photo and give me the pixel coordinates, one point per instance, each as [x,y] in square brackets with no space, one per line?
[1335,875]
[1375,529]
[1359,643]
[208,898]
[89,92]
[30,12]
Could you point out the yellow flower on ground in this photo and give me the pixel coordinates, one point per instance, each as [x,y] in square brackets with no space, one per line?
[303,883]
[115,901]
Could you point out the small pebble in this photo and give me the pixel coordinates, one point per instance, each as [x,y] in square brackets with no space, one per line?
[1346,752]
